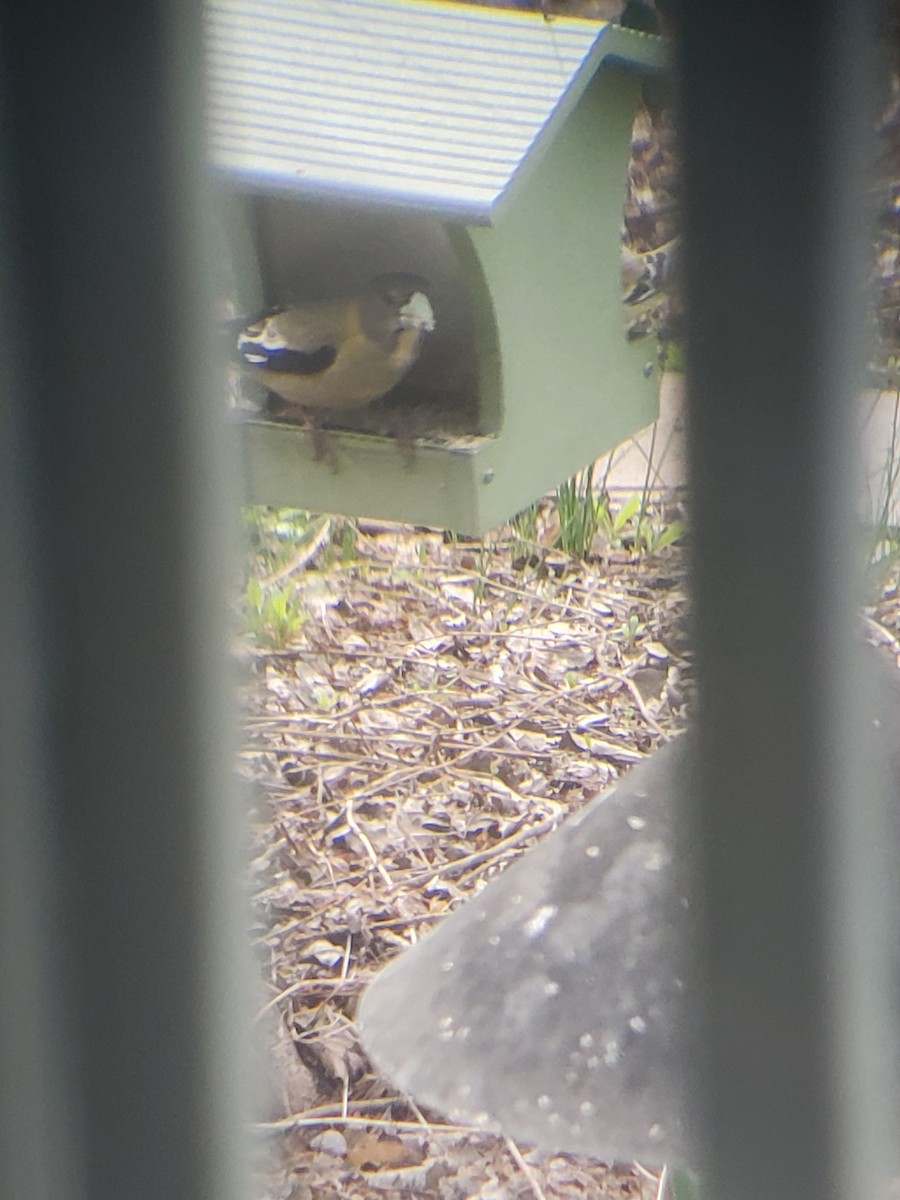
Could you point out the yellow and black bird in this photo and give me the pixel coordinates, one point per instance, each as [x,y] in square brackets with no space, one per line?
[329,355]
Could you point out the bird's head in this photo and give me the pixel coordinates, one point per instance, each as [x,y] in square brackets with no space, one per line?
[402,297]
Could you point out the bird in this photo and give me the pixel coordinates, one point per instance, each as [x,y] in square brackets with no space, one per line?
[649,274]
[652,298]
[338,354]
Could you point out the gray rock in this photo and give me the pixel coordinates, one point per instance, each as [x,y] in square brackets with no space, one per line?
[554,1003]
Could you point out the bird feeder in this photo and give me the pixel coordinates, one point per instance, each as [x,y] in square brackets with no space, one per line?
[485,150]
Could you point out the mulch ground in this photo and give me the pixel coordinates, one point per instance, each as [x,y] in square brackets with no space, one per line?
[442,705]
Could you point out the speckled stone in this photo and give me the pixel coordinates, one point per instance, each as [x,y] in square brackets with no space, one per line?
[549,1000]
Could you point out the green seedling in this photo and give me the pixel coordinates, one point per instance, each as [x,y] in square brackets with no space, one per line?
[274,616]
[578,514]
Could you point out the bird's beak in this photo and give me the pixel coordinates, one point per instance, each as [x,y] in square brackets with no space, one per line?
[417,313]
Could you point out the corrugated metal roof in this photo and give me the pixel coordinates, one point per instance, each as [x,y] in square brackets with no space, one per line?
[428,105]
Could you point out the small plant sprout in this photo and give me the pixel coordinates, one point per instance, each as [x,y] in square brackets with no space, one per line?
[578,514]
[274,615]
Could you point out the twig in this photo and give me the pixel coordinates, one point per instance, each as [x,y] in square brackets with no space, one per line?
[301,1121]
[663,1183]
[641,706]
[303,556]
[526,1170]
[370,849]
[483,856]
[310,985]
[418,1112]
[654,1177]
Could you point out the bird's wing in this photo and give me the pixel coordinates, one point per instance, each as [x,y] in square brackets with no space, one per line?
[302,339]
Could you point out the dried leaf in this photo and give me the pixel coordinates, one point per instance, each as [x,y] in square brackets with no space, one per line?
[340,1055]
[376,1151]
[325,953]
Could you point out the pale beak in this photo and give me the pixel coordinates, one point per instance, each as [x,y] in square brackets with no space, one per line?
[417,313]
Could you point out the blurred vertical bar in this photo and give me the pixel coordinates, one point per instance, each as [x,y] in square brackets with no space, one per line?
[33,1096]
[121,966]
[776,122]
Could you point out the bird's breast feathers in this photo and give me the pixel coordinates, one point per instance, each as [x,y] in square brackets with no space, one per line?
[337,354]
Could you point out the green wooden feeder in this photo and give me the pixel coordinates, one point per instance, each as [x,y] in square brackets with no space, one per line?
[484,149]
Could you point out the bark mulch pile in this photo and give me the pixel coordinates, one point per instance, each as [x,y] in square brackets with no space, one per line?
[439,705]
